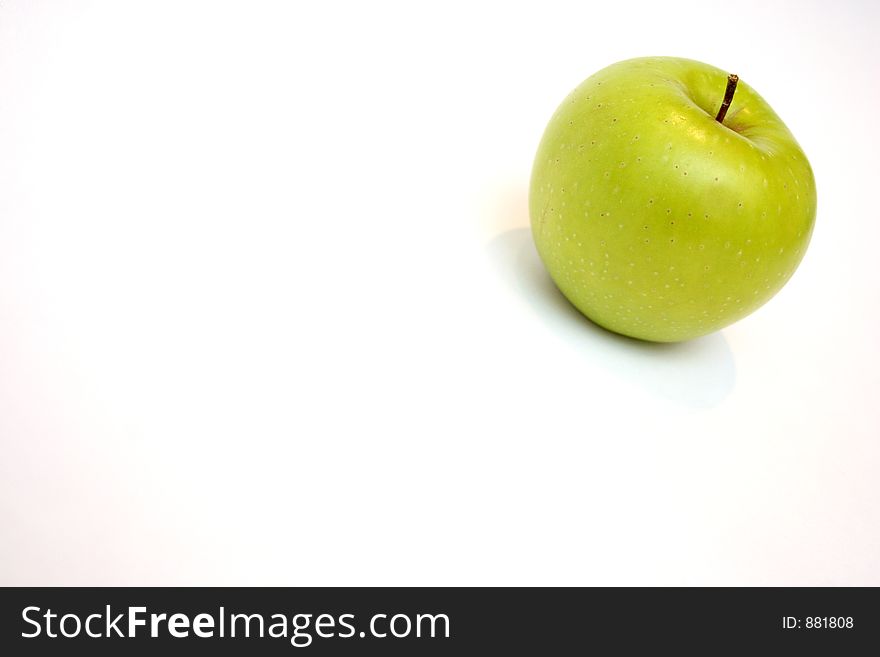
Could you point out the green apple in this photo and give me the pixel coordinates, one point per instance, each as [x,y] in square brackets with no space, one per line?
[657,215]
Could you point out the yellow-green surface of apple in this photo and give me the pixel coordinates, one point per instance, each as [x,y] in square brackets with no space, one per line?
[655,219]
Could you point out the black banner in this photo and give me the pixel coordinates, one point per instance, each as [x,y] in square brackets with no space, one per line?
[435,621]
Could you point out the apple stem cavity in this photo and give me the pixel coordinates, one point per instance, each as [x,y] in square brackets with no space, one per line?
[732,79]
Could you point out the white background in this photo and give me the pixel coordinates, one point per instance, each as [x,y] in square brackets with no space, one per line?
[270,312]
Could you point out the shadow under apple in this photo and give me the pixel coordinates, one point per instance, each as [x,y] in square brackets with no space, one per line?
[699,373]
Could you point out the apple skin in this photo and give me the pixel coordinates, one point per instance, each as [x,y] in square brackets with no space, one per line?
[655,220]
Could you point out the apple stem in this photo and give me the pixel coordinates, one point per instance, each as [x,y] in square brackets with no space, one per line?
[732,79]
